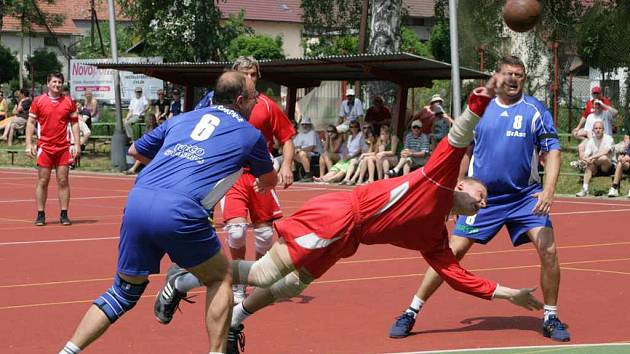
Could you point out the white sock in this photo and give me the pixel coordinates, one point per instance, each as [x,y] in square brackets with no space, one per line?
[550,310]
[415,306]
[187,282]
[585,186]
[396,169]
[70,348]
[239,314]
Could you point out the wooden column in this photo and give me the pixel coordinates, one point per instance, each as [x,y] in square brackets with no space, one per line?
[291,101]
[189,97]
[400,110]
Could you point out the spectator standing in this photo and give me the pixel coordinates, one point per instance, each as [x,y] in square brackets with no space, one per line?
[416,151]
[350,110]
[52,112]
[138,107]
[306,143]
[162,106]
[598,154]
[596,93]
[378,114]
[332,150]
[441,125]
[176,104]
[601,112]
[426,116]
[18,121]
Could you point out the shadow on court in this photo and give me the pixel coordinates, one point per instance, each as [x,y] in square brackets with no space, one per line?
[524,323]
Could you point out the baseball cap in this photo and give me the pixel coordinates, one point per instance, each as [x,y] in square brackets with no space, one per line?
[596,89]
[176,92]
[416,123]
[138,89]
[350,92]
[305,120]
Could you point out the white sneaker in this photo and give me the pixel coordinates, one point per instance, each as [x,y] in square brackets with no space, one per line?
[239,293]
[613,192]
[574,164]
[628,194]
[582,193]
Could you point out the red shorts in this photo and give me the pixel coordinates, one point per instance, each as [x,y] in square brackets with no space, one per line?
[322,232]
[53,157]
[241,198]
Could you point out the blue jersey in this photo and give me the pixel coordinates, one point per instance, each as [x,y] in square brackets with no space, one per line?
[206,101]
[507,142]
[201,154]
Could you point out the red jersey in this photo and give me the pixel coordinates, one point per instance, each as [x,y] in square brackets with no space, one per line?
[271,121]
[53,116]
[589,106]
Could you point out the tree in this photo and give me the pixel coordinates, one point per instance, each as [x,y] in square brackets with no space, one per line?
[327,22]
[29,13]
[411,43]
[258,46]
[187,30]
[43,63]
[9,68]
[85,50]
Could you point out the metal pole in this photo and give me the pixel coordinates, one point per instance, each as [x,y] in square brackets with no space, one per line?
[452,22]
[119,139]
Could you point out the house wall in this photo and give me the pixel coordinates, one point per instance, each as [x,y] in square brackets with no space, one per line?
[290,33]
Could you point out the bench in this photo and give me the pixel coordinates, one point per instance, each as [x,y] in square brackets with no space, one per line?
[13,151]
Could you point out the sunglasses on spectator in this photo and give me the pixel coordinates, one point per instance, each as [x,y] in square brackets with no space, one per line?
[354,126]
[415,127]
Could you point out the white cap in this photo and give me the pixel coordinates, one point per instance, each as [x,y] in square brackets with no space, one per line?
[305,120]
[350,92]
[436,98]
[416,123]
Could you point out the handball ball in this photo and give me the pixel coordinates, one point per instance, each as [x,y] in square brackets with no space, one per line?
[521,15]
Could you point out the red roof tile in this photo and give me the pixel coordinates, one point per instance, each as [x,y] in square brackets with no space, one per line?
[420,8]
[264,10]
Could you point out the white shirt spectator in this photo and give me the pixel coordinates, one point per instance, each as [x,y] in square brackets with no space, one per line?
[137,106]
[604,116]
[351,113]
[355,144]
[307,139]
[594,145]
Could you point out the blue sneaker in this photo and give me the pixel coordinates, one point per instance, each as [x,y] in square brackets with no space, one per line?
[402,326]
[556,330]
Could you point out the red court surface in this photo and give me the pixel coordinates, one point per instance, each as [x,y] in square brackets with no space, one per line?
[51,274]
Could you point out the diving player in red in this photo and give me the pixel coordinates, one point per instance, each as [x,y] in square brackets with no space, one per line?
[408,212]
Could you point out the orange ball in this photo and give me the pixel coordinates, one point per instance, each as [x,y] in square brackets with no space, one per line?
[521,15]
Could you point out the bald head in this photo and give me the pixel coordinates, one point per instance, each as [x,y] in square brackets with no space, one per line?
[229,86]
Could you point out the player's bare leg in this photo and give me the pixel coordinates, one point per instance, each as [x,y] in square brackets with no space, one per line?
[95,322]
[216,275]
[430,283]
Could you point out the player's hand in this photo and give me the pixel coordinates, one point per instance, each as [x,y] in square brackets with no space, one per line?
[30,151]
[524,298]
[543,205]
[285,176]
[76,152]
[493,86]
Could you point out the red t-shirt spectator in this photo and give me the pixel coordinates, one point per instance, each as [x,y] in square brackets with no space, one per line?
[427,117]
[377,116]
[53,116]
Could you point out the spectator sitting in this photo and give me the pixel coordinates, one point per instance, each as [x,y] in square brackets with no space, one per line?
[366,162]
[441,125]
[416,151]
[601,112]
[623,165]
[597,156]
[351,110]
[176,104]
[138,107]
[20,111]
[89,108]
[151,124]
[378,114]
[306,143]
[162,107]
[4,107]
[332,151]
[389,149]
[427,115]
[355,145]
[578,132]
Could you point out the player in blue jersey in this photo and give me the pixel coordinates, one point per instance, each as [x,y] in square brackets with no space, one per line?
[515,130]
[194,160]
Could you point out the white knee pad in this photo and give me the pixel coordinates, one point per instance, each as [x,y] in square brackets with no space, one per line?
[264,239]
[290,286]
[236,235]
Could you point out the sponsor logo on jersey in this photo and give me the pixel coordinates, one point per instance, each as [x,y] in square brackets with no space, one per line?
[230,112]
[515,133]
[505,114]
[467,229]
[188,152]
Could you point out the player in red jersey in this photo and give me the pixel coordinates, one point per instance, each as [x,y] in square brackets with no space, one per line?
[52,112]
[408,212]
[263,208]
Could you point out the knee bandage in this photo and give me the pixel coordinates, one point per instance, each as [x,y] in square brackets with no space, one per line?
[120,298]
[236,235]
[291,285]
[264,239]
[263,273]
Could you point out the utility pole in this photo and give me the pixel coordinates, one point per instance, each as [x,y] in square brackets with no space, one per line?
[452,21]
[119,139]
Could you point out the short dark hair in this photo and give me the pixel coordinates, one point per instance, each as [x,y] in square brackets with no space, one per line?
[229,86]
[56,74]
[25,92]
[512,60]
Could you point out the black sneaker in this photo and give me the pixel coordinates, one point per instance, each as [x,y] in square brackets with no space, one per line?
[41,219]
[64,220]
[167,300]
[236,340]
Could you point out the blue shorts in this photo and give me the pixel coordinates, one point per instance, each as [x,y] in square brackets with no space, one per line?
[515,212]
[156,222]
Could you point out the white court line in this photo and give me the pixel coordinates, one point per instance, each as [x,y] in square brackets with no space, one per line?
[590,212]
[592,203]
[559,346]
[57,241]
[75,198]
